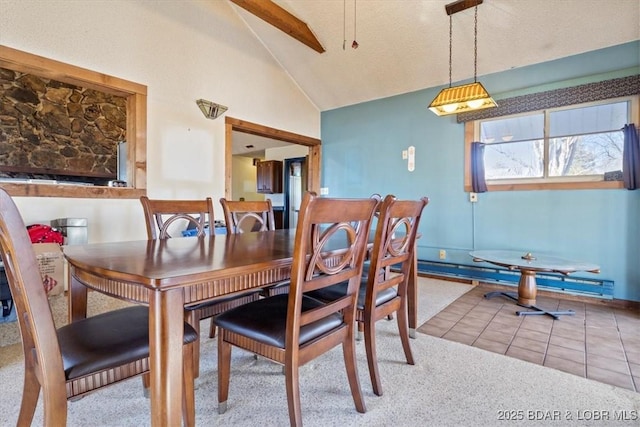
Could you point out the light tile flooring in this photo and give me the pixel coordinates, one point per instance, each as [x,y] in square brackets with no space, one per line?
[598,342]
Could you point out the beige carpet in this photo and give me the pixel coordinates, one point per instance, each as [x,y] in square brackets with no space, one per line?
[450,385]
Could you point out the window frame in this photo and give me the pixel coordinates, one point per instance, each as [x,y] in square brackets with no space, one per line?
[136,97]
[587,182]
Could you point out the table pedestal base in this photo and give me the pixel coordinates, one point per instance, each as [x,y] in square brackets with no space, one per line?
[537,310]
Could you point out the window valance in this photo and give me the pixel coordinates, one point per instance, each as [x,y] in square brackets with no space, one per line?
[589,92]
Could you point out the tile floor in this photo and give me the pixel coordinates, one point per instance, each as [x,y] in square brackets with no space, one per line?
[598,342]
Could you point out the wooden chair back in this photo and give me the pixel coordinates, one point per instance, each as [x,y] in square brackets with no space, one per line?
[393,246]
[330,247]
[39,342]
[241,216]
[161,215]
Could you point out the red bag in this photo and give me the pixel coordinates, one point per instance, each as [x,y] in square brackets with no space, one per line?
[40,233]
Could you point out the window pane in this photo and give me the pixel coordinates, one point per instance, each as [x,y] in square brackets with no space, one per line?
[512,129]
[597,118]
[514,160]
[586,155]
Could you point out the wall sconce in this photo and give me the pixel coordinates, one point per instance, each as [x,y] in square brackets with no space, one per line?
[211,110]
[463,98]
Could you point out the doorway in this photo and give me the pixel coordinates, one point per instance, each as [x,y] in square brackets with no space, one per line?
[312,161]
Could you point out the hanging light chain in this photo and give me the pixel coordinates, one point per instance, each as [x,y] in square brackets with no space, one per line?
[355,43]
[475,46]
[450,46]
[355,10]
[344,24]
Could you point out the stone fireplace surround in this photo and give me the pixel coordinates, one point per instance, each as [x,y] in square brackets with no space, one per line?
[56,131]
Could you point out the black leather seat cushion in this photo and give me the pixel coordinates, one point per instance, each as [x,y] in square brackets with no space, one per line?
[265,320]
[337,291]
[108,340]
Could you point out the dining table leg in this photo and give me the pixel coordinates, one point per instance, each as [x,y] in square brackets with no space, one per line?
[166,330]
[76,299]
[527,288]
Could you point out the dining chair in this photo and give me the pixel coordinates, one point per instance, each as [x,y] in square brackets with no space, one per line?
[385,293]
[80,357]
[166,217]
[242,216]
[293,329]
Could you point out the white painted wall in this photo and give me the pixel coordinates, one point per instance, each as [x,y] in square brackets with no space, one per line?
[182,50]
[244,181]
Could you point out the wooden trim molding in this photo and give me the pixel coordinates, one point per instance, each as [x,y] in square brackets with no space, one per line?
[314,144]
[136,96]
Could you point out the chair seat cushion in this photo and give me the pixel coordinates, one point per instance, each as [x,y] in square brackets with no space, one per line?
[108,340]
[265,320]
[334,292]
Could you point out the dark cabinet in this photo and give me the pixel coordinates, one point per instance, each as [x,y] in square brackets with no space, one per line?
[269,179]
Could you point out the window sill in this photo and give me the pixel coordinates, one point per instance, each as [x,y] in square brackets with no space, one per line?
[585,185]
[75,191]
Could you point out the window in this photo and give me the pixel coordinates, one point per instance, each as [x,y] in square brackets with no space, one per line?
[568,147]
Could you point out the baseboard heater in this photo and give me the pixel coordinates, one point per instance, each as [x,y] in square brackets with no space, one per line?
[599,288]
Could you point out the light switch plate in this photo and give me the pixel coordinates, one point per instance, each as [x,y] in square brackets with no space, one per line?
[411,164]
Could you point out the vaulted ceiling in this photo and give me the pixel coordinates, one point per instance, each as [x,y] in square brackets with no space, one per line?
[404,44]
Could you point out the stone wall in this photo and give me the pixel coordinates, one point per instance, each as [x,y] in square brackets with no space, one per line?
[55,130]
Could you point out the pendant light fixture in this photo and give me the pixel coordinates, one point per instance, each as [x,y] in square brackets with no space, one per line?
[467,97]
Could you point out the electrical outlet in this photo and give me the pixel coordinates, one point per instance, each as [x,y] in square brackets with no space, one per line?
[442,254]
[324,191]
[473,197]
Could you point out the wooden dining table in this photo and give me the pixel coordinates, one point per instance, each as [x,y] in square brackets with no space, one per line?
[170,274]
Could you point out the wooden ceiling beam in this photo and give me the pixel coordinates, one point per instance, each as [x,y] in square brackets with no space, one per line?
[273,14]
[460,5]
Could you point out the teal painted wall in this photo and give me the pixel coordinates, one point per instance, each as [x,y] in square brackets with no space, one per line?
[361,155]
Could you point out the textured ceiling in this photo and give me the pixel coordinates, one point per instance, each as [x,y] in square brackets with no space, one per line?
[248,145]
[404,44]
